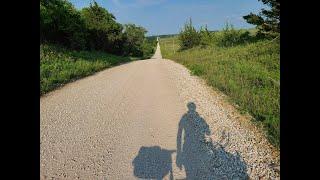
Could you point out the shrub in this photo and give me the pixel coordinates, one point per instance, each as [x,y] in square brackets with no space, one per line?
[134,39]
[231,37]
[205,37]
[148,47]
[189,37]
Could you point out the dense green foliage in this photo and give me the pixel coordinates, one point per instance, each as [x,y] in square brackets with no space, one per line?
[76,43]
[103,32]
[268,20]
[61,23]
[134,39]
[243,66]
[91,28]
[149,48]
[60,65]
[231,37]
[205,37]
[189,36]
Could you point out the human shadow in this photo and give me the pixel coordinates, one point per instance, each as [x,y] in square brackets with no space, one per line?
[202,158]
[153,163]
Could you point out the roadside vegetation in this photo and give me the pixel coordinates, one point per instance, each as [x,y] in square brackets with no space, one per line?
[242,63]
[59,65]
[76,43]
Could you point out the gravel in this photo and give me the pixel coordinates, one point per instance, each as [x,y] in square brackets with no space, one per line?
[125,123]
[244,138]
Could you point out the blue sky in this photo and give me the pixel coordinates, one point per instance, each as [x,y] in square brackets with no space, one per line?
[168,16]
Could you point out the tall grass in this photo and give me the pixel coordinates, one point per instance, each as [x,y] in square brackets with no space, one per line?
[59,65]
[247,72]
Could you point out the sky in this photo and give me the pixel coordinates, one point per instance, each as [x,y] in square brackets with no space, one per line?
[161,17]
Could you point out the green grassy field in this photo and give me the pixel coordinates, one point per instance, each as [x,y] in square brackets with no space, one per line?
[59,65]
[248,73]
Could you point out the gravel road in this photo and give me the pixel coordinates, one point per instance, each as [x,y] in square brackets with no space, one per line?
[149,119]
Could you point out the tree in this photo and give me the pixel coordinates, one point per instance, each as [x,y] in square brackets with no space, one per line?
[92,28]
[134,38]
[103,30]
[61,23]
[189,37]
[267,21]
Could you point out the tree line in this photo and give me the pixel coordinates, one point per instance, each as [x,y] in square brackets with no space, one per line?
[267,25]
[91,28]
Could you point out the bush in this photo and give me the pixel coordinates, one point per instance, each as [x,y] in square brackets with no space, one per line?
[148,48]
[134,39]
[205,37]
[229,37]
[189,37]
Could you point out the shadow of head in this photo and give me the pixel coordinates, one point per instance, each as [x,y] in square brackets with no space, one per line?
[152,162]
[191,106]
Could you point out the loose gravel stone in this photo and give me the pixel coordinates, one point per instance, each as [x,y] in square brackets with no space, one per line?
[126,123]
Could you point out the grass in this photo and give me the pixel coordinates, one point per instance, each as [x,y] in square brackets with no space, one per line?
[248,73]
[59,65]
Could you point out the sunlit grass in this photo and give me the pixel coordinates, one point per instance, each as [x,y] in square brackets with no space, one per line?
[248,73]
[59,65]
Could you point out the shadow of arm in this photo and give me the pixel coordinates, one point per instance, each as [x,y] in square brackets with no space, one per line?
[179,141]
